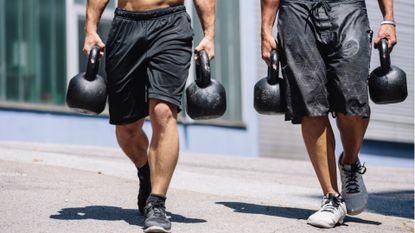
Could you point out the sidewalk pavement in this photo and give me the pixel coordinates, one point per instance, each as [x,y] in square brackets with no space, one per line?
[56,188]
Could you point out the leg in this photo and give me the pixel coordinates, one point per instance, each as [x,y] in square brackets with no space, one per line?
[133,141]
[352,130]
[164,148]
[319,140]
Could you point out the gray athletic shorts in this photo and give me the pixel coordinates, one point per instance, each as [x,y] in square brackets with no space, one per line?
[325,51]
[147,57]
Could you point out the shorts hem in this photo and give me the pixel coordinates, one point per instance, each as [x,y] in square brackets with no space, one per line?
[168,99]
[364,115]
[298,119]
[127,120]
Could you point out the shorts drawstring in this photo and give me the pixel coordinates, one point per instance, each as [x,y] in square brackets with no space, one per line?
[321,23]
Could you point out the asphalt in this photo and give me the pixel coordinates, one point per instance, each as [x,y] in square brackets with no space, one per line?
[56,188]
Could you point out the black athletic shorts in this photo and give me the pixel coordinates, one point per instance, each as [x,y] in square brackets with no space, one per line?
[325,57]
[147,57]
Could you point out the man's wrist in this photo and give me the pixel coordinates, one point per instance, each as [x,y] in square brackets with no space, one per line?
[266,34]
[209,35]
[388,16]
[90,29]
[266,30]
[90,33]
[388,22]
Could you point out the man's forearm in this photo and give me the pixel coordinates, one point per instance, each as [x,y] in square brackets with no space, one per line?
[206,9]
[94,11]
[269,10]
[386,6]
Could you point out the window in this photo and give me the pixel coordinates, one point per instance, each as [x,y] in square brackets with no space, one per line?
[32,51]
[226,65]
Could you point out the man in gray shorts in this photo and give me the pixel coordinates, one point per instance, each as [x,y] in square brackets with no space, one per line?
[325,48]
[148,54]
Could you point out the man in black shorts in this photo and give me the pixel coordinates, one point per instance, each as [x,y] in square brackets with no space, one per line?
[148,54]
[325,48]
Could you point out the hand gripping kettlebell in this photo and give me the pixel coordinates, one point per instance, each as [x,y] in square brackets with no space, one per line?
[387,83]
[268,92]
[206,97]
[87,92]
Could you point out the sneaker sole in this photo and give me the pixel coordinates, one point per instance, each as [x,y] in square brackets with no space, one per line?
[356,212]
[155,229]
[319,225]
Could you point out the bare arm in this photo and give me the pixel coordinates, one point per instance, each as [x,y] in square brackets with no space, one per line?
[269,10]
[206,9]
[94,9]
[387,30]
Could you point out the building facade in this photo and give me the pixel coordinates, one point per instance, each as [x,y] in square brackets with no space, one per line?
[41,49]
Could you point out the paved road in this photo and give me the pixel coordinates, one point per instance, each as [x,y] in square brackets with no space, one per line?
[50,188]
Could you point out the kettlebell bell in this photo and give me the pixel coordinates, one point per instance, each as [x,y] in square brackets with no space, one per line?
[87,92]
[387,83]
[205,97]
[268,92]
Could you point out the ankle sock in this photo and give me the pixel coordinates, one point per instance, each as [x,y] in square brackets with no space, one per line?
[156,198]
[143,172]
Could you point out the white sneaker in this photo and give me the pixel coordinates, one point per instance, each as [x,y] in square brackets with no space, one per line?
[353,188]
[333,211]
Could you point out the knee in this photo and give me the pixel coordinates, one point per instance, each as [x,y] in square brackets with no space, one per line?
[163,114]
[129,131]
[314,126]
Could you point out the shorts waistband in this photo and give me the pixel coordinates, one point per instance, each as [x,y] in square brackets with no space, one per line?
[150,14]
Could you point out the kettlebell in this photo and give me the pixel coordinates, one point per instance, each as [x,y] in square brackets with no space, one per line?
[87,92]
[387,83]
[268,92]
[205,97]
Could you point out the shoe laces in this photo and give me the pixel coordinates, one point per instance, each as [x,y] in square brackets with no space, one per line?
[352,185]
[158,209]
[331,203]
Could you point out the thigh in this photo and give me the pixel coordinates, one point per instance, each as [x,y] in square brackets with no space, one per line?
[303,67]
[348,65]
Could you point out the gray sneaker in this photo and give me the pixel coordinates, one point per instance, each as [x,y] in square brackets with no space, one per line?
[353,188]
[156,219]
[332,212]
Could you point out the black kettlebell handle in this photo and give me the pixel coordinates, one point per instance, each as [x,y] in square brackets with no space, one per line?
[385,60]
[93,64]
[202,69]
[273,68]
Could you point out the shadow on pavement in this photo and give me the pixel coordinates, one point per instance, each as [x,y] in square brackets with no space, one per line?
[393,203]
[112,213]
[285,212]
[398,203]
